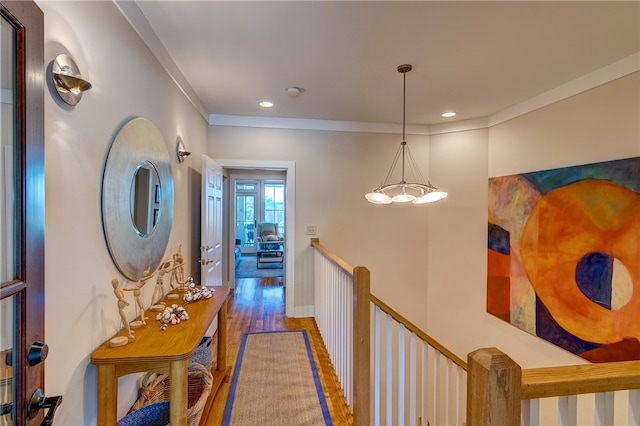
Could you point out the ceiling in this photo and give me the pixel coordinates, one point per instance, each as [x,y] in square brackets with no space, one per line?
[476,58]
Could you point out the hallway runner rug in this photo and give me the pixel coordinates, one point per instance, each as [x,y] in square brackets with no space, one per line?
[275,382]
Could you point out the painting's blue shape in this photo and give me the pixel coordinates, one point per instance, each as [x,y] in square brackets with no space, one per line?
[623,172]
[594,275]
[498,239]
[548,329]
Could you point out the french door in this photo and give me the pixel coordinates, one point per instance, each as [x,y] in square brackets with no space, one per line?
[257,201]
[22,347]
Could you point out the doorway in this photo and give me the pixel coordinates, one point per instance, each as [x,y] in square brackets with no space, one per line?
[287,168]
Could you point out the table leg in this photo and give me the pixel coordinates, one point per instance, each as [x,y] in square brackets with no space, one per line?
[107,395]
[178,401]
[222,337]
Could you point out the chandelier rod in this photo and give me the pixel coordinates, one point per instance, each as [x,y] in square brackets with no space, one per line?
[404,69]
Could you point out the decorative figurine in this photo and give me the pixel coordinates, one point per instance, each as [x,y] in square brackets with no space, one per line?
[136,293]
[122,303]
[162,270]
[178,270]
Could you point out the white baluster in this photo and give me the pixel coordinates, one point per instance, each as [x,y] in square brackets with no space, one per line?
[412,381]
[436,385]
[425,383]
[530,412]
[401,375]
[447,391]
[568,410]
[604,409]
[376,366]
[389,370]
[634,407]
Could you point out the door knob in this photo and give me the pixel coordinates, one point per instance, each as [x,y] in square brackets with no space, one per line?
[39,401]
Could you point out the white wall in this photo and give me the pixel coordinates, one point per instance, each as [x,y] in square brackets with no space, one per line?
[333,172]
[81,311]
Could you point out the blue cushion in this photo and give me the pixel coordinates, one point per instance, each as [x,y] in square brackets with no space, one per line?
[156,414]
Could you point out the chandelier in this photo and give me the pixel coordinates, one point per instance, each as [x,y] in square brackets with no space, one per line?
[416,191]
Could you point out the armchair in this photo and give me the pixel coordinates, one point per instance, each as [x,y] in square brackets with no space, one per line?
[267,237]
[268,232]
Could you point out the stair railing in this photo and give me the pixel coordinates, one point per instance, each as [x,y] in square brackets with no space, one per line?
[417,381]
[341,305]
[502,393]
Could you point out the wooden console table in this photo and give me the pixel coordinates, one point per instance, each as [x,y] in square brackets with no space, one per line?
[165,352]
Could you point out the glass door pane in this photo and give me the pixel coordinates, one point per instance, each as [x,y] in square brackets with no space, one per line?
[273,211]
[7,360]
[246,205]
[9,227]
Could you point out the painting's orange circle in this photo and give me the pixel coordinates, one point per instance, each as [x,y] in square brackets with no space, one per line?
[568,223]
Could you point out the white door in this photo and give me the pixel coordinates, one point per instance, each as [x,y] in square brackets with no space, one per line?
[211,223]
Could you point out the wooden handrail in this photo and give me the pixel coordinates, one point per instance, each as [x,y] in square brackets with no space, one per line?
[580,379]
[333,258]
[421,334]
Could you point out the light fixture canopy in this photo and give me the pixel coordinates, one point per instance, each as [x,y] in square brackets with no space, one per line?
[417,192]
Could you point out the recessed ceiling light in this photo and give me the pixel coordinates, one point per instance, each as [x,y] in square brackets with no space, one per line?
[266,104]
[448,114]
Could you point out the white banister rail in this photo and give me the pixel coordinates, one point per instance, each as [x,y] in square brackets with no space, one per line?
[341,305]
[416,380]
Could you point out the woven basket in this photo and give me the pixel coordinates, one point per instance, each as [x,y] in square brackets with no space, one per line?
[159,389]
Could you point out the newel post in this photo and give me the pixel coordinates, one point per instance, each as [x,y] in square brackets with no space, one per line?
[494,386]
[361,346]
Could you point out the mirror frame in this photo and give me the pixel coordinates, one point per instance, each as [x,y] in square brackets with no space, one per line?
[138,141]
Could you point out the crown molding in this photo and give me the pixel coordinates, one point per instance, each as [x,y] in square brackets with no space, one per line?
[312,124]
[604,75]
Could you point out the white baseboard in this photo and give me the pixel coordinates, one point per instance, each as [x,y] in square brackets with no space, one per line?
[302,312]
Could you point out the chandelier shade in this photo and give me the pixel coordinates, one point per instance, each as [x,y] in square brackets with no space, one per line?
[417,191]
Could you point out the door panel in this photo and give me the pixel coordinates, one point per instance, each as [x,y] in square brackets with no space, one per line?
[22,189]
[211,217]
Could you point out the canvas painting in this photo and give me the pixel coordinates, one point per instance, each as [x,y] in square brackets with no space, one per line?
[564,257]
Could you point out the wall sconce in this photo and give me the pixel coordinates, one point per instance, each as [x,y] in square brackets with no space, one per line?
[181,152]
[67,80]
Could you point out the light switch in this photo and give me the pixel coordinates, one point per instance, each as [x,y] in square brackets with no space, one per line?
[311,230]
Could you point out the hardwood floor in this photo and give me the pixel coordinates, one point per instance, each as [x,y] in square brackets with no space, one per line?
[257,304]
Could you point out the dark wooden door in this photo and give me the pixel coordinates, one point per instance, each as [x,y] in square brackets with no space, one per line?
[22,214]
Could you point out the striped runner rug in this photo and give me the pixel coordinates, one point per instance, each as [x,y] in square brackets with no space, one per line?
[275,382]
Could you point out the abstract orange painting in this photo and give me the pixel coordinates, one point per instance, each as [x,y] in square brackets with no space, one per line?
[564,257]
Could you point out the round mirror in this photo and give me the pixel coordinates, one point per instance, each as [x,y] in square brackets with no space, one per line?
[145,198]
[137,198]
